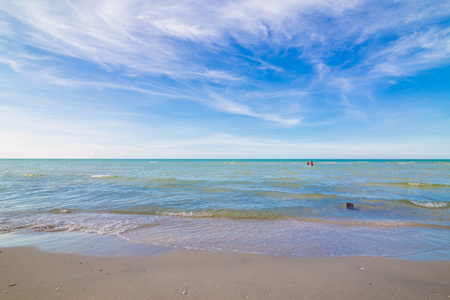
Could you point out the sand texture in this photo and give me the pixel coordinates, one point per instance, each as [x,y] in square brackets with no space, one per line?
[27,273]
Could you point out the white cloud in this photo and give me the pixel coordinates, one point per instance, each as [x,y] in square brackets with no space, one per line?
[150,37]
[219,75]
[144,35]
[229,106]
[413,53]
[12,64]
[193,43]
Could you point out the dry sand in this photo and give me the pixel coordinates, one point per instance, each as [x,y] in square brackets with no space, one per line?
[27,273]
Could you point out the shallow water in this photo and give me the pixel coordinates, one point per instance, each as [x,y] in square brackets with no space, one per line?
[280,207]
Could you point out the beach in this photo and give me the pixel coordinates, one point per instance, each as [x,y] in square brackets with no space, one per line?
[27,273]
[221,229]
[224,149]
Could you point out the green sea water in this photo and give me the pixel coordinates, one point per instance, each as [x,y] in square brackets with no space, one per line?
[279,207]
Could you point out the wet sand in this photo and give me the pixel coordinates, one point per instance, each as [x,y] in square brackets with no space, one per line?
[28,273]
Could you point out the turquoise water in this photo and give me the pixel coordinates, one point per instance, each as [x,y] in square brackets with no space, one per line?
[278,207]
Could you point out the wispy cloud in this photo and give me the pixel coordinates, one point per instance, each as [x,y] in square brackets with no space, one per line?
[149,36]
[230,106]
[286,64]
[413,53]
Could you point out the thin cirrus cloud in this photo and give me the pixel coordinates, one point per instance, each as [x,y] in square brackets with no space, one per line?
[288,63]
[226,105]
[416,52]
[150,37]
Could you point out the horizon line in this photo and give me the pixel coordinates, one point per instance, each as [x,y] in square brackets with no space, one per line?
[308,159]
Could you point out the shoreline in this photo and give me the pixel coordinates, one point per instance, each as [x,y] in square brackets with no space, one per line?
[95,244]
[82,243]
[89,266]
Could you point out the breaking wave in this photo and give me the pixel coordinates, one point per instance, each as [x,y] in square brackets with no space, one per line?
[419,185]
[33,175]
[430,204]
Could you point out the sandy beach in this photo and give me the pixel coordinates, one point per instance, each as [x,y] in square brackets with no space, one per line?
[27,273]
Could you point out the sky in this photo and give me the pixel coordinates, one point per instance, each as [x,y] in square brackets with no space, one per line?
[287,79]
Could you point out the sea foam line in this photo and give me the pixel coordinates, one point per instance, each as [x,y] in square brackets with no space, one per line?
[430,204]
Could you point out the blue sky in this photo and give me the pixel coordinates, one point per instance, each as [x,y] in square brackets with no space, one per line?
[301,79]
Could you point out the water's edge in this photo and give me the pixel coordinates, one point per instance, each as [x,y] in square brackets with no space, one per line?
[108,246]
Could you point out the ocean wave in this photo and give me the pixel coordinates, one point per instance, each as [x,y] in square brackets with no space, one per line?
[120,222]
[217,190]
[285,184]
[284,179]
[334,163]
[62,211]
[231,214]
[188,214]
[172,182]
[420,185]
[288,236]
[115,178]
[274,195]
[105,224]
[33,175]
[430,204]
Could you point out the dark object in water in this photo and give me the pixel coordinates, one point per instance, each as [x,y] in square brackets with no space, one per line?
[349,205]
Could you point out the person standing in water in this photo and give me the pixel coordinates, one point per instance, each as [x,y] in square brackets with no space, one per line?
[307,163]
[312,164]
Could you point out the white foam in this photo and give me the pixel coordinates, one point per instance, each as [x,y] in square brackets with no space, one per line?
[286,237]
[431,204]
[187,214]
[91,223]
[334,163]
[100,176]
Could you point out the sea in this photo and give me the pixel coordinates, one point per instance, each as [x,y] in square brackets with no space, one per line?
[274,207]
